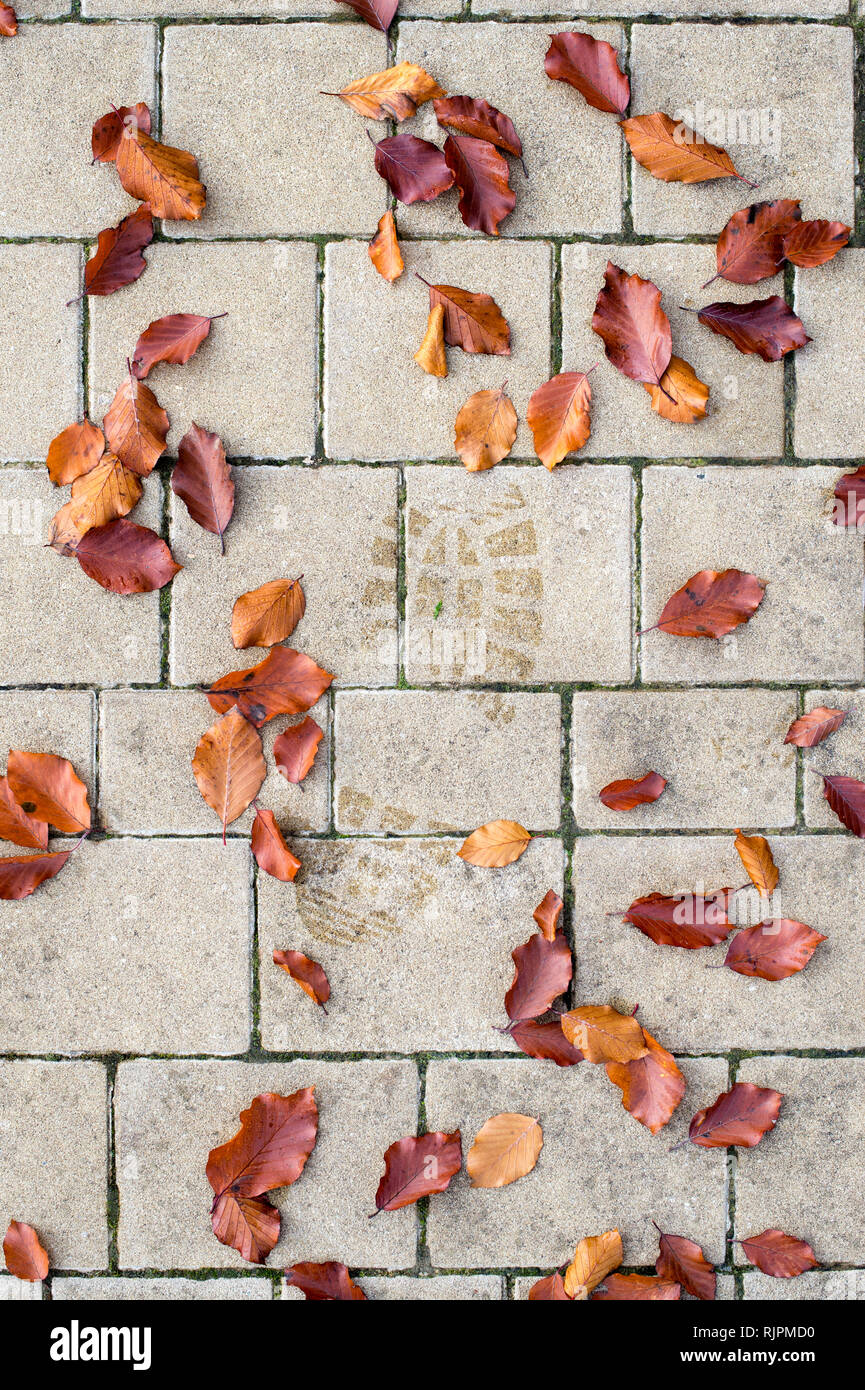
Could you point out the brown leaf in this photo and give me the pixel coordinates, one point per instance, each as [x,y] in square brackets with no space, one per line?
[812,728]
[543,971]
[549,1290]
[604,1035]
[416,1167]
[634,328]
[229,767]
[397,92]
[481,175]
[681,1261]
[49,789]
[306,973]
[384,249]
[810,244]
[545,1042]
[249,1224]
[506,1148]
[711,604]
[671,151]
[107,131]
[558,416]
[136,426]
[767,327]
[25,1257]
[760,867]
[160,175]
[751,246]
[476,117]
[377,13]
[294,750]
[619,1288]
[202,479]
[780,1255]
[687,920]
[174,339]
[286,682]
[651,1086]
[850,490]
[126,558]
[8,22]
[472,321]
[270,850]
[413,169]
[680,395]
[107,492]
[739,1116]
[773,950]
[594,1258]
[267,615]
[325,1283]
[431,354]
[486,427]
[22,873]
[846,797]
[547,914]
[495,844]
[590,65]
[15,824]
[627,793]
[74,451]
[117,260]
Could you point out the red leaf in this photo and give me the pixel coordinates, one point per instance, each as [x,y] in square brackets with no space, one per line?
[846,796]
[549,1290]
[773,950]
[136,426]
[414,170]
[682,1262]
[294,751]
[126,558]
[688,920]
[285,682]
[202,479]
[634,328]
[625,794]
[812,728]
[751,246]
[377,13]
[590,65]
[416,1167]
[117,260]
[108,130]
[767,327]
[174,338]
[472,321]
[325,1283]
[25,1257]
[271,852]
[711,604]
[306,973]
[476,117]
[547,914]
[16,825]
[809,244]
[21,874]
[778,1254]
[543,972]
[651,1086]
[740,1116]
[49,788]
[481,175]
[546,1042]
[249,1224]
[618,1288]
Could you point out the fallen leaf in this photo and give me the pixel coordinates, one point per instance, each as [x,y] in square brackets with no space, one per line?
[476,117]
[126,558]
[117,260]
[377,13]
[416,1167]
[270,850]
[250,1225]
[174,339]
[494,845]
[22,1249]
[780,1255]
[49,789]
[547,914]
[672,151]
[107,492]
[545,1042]
[773,950]
[384,249]
[815,726]
[760,867]
[619,1288]
[594,1258]
[506,1148]
[602,1034]
[590,65]
[294,750]
[286,682]
[711,604]
[635,330]
[396,92]
[472,321]
[431,354]
[627,793]
[810,244]
[680,395]
[15,824]
[267,615]
[681,1261]
[160,175]
[767,327]
[846,797]
[107,131]
[306,973]
[687,920]
[21,874]
[558,416]
[8,22]
[486,427]
[651,1086]
[751,246]
[136,426]
[202,479]
[229,767]
[740,1116]
[481,175]
[549,1290]
[543,971]
[414,170]
[850,490]
[324,1283]
[73,452]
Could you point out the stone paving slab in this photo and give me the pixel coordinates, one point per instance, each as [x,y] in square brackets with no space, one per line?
[170,1114]
[416,944]
[253,382]
[721,751]
[818,9]
[337,527]
[19,1290]
[697,1009]
[411,761]
[56,1181]
[746,400]
[146,742]
[254,9]
[775,523]
[533,574]
[39,391]
[815,1285]
[785,98]
[830,370]
[598,1167]
[138,946]
[378,403]
[805,1177]
[458,1288]
[50,721]
[125,1290]
[572,152]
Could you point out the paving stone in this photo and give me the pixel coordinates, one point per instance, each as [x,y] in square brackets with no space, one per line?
[806,1176]
[721,751]
[254,380]
[839,755]
[378,403]
[621,1175]
[253,9]
[146,742]
[775,523]
[53,1153]
[50,186]
[414,760]
[389,922]
[61,626]
[746,401]
[337,527]
[830,370]
[451,1287]
[49,721]
[120,1290]
[572,152]
[697,1009]
[524,578]
[19,1290]
[42,9]
[313,169]
[725,1288]
[170,1114]
[780,101]
[815,1285]
[818,9]
[100,959]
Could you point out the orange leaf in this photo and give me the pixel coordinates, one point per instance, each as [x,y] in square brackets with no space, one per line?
[760,867]
[681,1261]
[269,614]
[549,1290]
[306,973]
[481,175]
[160,175]
[635,330]
[680,395]
[294,750]
[603,1034]
[751,246]
[627,793]
[495,844]
[229,767]
[740,1116]
[431,354]
[778,1254]
[547,913]
[21,874]
[286,682]
[397,92]
[270,850]
[8,22]
[486,428]
[202,479]
[812,728]
[249,1224]
[506,1148]
[711,604]
[174,339]
[136,426]
[416,1167]
[473,321]
[105,138]
[107,492]
[324,1283]
[25,1257]
[671,151]
[49,788]
[809,244]
[619,1288]
[384,249]
[15,824]
[594,1258]
[558,416]
[651,1086]
[74,451]
[773,950]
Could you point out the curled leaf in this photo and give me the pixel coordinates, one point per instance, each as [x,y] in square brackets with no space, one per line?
[506,1149]
[594,1258]
[773,950]
[680,395]
[486,428]
[431,354]
[542,972]
[751,246]
[476,117]
[755,854]
[590,65]
[628,792]
[267,615]
[494,845]
[107,492]
[416,1167]
[8,22]
[229,767]
[105,138]
[294,750]
[160,175]
[384,249]
[306,973]
[270,850]
[472,321]
[396,92]
[547,914]
[558,416]
[603,1034]
[136,426]
[815,726]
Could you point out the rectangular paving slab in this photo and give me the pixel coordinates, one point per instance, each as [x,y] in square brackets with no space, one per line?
[39,379]
[127,1290]
[830,370]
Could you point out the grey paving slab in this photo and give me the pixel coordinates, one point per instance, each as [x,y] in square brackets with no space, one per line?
[453,1288]
[816,1285]
[840,755]
[251,9]
[50,721]
[14,1290]
[39,392]
[830,370]
[818,9]
[117,1289]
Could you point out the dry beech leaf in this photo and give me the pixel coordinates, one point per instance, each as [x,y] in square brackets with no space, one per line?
[767,327]
[594,1258]
[384,249]
[229,767]
[558,416]
[397,92]
[16,825]
[473,116]
[629,792]
[602,1034]
[73,452]
[472,321]
[8,22]
[751,246]
[542,971]
[549,1290]
[160,175]
[620,1288]
[506,1148]
[711,604]
[681,1261]
[592,66]
[125,558]
[136,426]
[672,151]
[306,973]
[107,131]
[651,1086]
[810,244]
[773,950]
[25,1257]
[494,845]
[680,395]
[431,354]
[815,726]
[545,1042]
[117,260]
[174,339]
[414,170]
[377,13]
[416,1167]
[846,797]
[267,615]
[21,874]
[481,175]
[486,428]
[286,682]
[740,1116]
[755,854]
[634,328]
[270,850]
[324,1283]
[850,491]
[687,920]
[108,491]
[49,789]
[294,750]
[780,1255]
[202,479]
[547,914]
